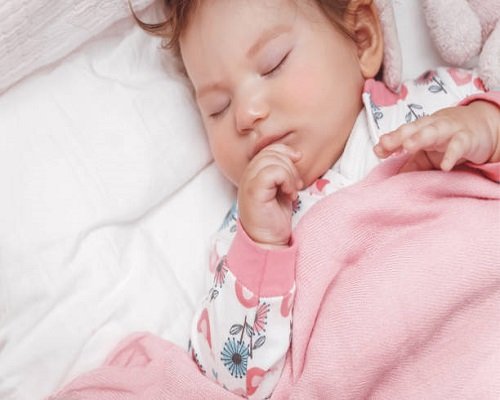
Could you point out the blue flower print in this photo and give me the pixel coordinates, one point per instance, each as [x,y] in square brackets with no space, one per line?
[230,218]
[235,357]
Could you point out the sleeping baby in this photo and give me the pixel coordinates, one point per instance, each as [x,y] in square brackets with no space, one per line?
[293,110]
[293,113]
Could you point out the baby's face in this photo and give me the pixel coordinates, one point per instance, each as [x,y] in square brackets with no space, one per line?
[272,71]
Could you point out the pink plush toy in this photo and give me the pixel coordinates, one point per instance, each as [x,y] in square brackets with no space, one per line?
[393,65]
[460,30]
[463,29]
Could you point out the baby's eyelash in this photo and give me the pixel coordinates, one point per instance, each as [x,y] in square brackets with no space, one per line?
[220,113]
[278,66]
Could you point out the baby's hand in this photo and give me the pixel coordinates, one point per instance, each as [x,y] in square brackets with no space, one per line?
[447,138]
[266,192]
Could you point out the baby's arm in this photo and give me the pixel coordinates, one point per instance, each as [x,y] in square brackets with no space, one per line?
[464,126]
[239,338]
[448,137]
[241,333]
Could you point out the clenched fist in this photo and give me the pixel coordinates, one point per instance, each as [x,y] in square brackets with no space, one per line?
[267,189]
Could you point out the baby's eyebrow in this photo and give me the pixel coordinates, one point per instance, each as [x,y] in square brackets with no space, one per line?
[265,37]
[207,88]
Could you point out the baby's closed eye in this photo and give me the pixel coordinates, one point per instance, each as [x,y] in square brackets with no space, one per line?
[276,64]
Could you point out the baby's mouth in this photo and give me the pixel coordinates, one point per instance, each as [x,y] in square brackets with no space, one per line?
[268,140]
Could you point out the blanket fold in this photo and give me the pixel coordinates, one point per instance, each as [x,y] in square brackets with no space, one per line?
[398,297]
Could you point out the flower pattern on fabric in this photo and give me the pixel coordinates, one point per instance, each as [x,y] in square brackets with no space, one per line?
[246,298]
[460,76]
[318,187]
[254,378]
[296,205]
[196,360]
[235,357]
[432,80]
[203,327]
[377,114]
[286,305]
[260,321]
[231,218]
[382,96]
[220,272]
[426,78]
[415,112]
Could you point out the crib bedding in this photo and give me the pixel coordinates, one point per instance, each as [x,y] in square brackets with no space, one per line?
[108,200]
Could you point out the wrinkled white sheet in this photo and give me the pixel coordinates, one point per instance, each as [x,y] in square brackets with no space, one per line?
[108,198]
[107,203]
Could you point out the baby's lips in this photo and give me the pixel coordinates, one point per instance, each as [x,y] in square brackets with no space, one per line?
[275,140]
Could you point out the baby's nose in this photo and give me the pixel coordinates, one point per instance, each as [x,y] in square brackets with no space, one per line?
[250,112]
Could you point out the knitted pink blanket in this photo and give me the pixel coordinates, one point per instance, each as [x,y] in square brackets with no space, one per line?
[398,297]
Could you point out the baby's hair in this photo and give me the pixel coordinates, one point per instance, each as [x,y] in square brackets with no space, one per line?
[178,13]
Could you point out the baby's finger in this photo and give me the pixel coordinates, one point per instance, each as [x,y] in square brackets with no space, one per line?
[276,154]
[274,179]
[457,148]
[432,137]
[392,142]
[273,159]
[280,148]
[289,188]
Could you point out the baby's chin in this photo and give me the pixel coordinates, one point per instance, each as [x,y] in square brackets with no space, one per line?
[310,181]
[310,174]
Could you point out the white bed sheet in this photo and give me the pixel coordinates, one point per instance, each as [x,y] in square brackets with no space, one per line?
[108,200]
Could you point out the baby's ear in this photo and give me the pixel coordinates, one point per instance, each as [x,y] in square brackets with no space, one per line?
[366,29]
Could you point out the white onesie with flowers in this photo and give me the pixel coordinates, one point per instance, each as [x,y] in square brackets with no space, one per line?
[241,332]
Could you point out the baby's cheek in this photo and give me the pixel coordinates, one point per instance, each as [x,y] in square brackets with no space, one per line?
[303,89]
[226,156]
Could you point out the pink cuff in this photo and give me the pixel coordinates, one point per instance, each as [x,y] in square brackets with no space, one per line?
[267,273]
[490,170]
[492,96]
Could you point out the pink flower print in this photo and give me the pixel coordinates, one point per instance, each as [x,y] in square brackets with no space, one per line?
[220,272]
[318,186]
[260,321]
[431,79]
[286,304]
[478,83]
[254,379]
[246,297]
[460,76]
[197,362]
[203,327]
[381,95]
[213,260]
[426,78]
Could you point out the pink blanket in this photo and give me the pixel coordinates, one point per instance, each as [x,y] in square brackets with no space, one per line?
[398,297]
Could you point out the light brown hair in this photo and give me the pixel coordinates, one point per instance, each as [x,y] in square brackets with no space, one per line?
[178,12]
